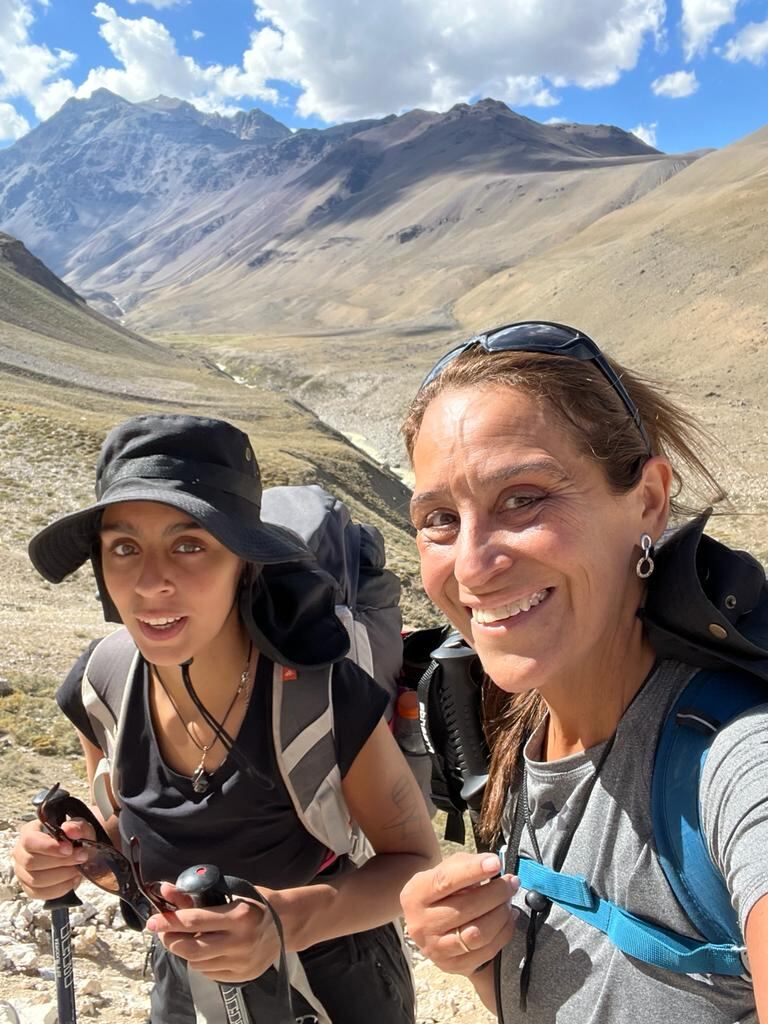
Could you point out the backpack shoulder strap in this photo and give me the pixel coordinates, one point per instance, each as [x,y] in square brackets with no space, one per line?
[710,700]
[637,937]
[110,668]
[303,732]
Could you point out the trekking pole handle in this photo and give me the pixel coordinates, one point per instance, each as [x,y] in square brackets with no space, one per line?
[69,899]
[461,691]
[205,884]
[61,940]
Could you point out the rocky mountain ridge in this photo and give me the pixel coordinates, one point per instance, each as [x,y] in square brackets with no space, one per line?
[127,201]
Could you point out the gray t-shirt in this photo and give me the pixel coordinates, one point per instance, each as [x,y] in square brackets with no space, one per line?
[579,976]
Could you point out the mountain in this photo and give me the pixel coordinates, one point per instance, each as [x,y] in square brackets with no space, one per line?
[693,248]
[182,219]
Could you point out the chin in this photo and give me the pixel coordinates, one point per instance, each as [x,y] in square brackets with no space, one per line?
[512,673]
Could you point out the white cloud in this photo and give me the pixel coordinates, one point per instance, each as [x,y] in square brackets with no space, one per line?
[702,19]
[197,34]
[557,120]
[675,85]
[751,43]
[160,4]
[27,68]
[151,64]
[12,124]
[351,59]
[646,133]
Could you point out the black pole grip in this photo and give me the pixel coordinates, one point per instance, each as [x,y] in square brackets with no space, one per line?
[61,935]
[460,699]
[58,814]
[205,884]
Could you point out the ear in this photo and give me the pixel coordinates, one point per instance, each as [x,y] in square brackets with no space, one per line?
[654,490]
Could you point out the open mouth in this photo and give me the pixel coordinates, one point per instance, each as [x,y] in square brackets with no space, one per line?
[491,616]
[159,627]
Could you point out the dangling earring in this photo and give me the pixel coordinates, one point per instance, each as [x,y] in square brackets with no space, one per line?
[645,566]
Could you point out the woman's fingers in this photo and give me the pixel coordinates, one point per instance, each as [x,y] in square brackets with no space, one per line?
[480,934]
[459,914]
[235,942]
[45,867]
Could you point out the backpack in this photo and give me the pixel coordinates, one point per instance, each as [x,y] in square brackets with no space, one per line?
[351,560]
[707,605]
[447,675]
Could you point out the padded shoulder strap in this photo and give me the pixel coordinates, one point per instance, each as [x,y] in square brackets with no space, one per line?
[709,701]
[305,748]
[105,684]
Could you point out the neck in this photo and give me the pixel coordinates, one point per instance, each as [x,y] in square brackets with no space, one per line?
[214,665]
[587,708]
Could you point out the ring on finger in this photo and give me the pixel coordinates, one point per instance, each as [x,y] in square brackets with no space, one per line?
[462,943]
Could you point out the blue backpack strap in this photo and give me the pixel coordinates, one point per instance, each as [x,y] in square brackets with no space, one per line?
[633,935]
[710,700]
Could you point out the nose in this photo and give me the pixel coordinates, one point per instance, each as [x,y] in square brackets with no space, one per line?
[154,576]
[480,555]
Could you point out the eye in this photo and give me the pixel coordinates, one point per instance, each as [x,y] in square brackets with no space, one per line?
[519,501]
[188,547]
[439,525]
[123,548]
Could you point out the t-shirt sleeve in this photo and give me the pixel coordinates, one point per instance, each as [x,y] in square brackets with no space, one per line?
[69,695]
[733,795]
[358,705]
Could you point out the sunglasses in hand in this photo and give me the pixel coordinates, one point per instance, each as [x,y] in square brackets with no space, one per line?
[106,866]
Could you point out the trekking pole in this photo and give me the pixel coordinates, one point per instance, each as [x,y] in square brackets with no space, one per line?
[61,937]
[209,888]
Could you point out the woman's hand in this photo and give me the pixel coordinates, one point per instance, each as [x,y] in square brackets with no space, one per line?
[458,913]
[231,943]
[45,867]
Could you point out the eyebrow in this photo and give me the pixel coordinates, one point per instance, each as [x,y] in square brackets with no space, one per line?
[548,466]
[127,528]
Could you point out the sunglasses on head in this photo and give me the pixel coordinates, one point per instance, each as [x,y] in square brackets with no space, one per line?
[551,338]
[106,867]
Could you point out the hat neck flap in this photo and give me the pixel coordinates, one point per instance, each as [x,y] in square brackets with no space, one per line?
[289,611]
[707,604]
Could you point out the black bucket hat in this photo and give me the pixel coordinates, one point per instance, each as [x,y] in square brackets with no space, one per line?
[206,468]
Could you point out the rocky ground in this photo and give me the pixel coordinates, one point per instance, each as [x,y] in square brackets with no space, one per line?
[110,982]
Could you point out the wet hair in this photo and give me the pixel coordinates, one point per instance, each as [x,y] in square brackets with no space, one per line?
[582,402]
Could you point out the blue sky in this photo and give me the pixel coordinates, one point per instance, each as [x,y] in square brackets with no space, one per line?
[683,74]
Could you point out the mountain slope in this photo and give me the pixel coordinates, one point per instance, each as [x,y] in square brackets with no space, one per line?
[693,248]
[178,218]
[70,374]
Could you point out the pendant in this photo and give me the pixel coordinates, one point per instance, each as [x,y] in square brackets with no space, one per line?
[200,779]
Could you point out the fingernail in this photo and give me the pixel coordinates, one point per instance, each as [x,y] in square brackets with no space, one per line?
[491,863]
[151,925]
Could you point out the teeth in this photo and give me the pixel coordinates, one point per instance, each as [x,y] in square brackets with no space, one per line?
[161,622]
[508,611]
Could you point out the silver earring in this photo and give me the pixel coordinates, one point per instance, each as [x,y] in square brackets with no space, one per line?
[645,566]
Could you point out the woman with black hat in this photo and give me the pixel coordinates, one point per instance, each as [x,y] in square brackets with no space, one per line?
[179,551]
[615,673]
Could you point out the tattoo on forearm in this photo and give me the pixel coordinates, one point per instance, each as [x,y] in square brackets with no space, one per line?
[407,819]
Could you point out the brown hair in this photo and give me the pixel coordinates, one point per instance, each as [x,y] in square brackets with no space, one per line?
[584,403]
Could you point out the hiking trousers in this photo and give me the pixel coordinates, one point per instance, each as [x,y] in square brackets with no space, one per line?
[358,978]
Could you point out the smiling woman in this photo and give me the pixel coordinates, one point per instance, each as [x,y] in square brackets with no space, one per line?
[545,474]
[179,551]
